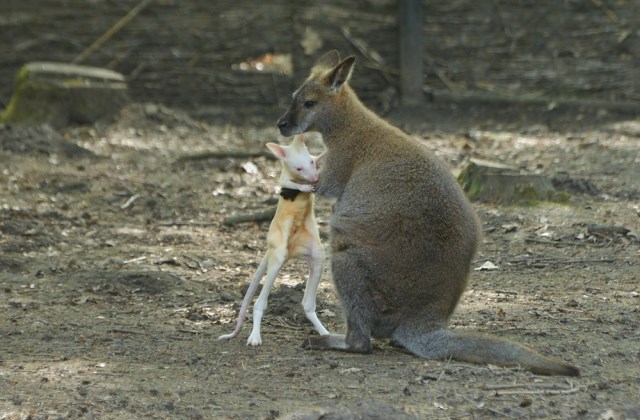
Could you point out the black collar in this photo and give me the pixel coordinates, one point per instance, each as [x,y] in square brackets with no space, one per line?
[289,193]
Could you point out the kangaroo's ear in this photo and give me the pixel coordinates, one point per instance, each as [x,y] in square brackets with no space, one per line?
[340,74]
[298,140]
[328,61]
[279,151]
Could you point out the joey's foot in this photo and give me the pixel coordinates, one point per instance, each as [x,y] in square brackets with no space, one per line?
[311,316]
[254,340]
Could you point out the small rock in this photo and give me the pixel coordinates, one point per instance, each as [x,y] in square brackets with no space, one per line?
[227,297]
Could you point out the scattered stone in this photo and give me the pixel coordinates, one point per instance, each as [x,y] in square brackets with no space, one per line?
[361,410]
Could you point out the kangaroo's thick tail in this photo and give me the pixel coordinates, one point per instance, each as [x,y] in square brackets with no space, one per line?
[448,344]
[253,286]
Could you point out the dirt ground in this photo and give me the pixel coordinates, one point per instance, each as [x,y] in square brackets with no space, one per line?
[117,276]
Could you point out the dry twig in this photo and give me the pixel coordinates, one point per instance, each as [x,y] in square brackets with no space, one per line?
[375,59]
[112,31]
[607,11]
[233,154]
[105,176]
[531,389]
[262,216]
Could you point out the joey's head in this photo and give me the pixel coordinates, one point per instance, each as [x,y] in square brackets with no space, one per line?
[297,162]
[316,101]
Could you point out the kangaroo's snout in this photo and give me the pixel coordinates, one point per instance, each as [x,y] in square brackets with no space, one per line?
[284,126]
[282,122]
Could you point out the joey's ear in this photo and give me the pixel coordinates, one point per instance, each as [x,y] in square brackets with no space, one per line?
[279,151]
[340,74]
[328,61]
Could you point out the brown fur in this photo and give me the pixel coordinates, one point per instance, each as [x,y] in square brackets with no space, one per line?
[403,235]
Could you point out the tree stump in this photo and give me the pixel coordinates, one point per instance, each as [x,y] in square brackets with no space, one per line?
[60,94]
[495,183]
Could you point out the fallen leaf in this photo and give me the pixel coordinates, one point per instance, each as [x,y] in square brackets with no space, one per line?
[487,266]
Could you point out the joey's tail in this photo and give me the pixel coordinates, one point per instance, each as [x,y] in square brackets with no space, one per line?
[262,268]
[445,344]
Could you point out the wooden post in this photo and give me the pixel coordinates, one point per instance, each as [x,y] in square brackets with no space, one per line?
[411,67]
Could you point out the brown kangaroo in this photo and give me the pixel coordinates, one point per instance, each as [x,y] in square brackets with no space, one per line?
[402,233]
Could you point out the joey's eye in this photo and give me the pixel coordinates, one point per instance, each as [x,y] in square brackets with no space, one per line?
[299,169]
[309,104]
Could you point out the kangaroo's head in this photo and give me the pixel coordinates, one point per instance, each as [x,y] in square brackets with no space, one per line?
[315,101]
[297,162]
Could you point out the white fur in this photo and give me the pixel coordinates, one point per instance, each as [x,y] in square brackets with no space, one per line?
[286,241]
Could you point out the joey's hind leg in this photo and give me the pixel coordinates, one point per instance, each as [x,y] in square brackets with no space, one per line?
[276,260]
[357,339]
[350,279]
[316,265]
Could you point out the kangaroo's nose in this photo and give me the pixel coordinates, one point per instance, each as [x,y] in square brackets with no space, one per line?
[282,123]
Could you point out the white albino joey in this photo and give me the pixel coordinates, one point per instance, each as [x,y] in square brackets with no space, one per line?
[293,233]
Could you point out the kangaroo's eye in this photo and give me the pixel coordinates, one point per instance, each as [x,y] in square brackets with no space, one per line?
[309,104]
[299,169]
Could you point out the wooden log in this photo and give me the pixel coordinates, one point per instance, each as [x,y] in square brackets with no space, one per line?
[259,217]
[59,94]
[495,183]
[231,154]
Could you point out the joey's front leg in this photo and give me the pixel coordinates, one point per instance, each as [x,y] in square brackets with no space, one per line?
[298,186]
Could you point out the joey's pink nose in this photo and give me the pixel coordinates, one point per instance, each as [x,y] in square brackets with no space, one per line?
[314,178]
